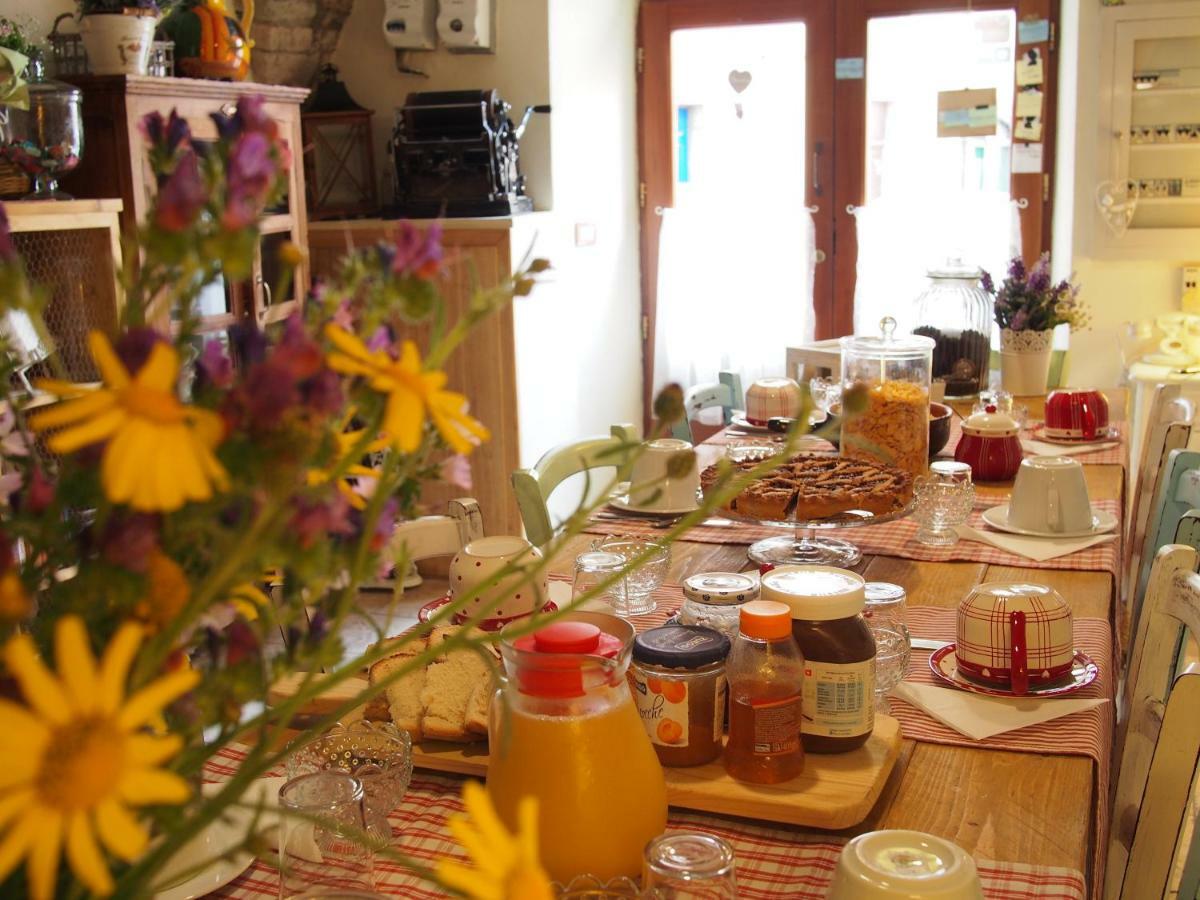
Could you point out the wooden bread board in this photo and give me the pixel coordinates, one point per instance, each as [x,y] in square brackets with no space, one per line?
[834,791]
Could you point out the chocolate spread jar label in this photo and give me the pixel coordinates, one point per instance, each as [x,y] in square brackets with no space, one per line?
[839,698]
[663,706]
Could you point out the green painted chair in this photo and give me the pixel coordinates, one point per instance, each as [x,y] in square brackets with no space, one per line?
[725,393]
[533,487]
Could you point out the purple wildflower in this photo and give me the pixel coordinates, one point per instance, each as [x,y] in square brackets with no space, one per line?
[456,470]
[323,392]
[129,541]
[985,281]
[270,391]
[215,365]
[318,627]
[165,135]
[1039,276]
[1019,320]
[134,346]
[182,196]
[380,340]
[312,521]
[241,643]
[1016,268]
[343,317]
[249,343]
[252,171]
[417,253]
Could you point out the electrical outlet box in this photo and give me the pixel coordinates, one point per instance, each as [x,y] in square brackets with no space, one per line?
[467,25]
[410,24]
[1190,290]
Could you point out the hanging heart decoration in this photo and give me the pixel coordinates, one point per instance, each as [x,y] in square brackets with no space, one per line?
[739,80]
[1117,202]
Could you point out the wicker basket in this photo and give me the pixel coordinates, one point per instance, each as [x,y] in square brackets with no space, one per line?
[13,182]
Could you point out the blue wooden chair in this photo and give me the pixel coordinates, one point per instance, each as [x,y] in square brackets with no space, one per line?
[533,487]
[726,393]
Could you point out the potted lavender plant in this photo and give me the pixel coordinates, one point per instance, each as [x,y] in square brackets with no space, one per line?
[1028,307]
[117,34]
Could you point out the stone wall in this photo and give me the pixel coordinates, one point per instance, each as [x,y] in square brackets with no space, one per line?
[293,37]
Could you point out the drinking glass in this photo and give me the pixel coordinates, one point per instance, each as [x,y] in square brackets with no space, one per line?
[322,823]
[594,567]
[826,393]
[633,595]
[752,449]
[689,866]
[378,754]
[944,498]
[886,613]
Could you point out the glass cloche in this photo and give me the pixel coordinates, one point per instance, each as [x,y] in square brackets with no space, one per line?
[957,313]
[45,140]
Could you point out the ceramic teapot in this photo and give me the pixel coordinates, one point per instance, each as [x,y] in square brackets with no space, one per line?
[990,445]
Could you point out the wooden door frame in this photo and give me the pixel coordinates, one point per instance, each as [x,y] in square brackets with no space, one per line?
[656,20]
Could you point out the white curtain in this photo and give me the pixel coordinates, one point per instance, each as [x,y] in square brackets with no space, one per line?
[900,239]
[735,289]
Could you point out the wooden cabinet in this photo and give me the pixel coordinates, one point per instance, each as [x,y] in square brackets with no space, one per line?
[1150,127]
[484,367]
[115,163]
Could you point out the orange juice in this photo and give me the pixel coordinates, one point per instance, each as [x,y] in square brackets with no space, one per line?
[600,789]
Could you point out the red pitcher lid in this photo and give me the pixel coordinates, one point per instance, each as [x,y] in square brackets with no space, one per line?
[557,670]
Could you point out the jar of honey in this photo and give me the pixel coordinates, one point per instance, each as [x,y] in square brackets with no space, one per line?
[678,684]
[827,605]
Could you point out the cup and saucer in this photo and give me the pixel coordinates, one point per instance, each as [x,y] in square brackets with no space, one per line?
[1076,416]
[1050,499]
[1014,640]
[651,490]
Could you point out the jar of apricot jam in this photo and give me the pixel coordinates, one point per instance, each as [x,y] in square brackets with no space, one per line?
[678,682]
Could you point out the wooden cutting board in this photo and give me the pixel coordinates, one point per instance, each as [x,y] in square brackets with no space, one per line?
[833,792]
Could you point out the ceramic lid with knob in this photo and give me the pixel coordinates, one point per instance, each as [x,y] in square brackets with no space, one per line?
[991,424]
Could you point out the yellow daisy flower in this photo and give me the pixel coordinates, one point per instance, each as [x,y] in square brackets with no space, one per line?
[159,452]
[167,591]
[247,598]
[75,760]
[413,393]
[346,442]
[507,864]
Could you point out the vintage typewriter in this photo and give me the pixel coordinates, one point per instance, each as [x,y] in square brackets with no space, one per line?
[456,153]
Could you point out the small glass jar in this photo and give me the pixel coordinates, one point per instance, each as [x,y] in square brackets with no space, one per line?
[678,683]
[957,314]
[712,599]
[885,398]
[687,864]
[839,653]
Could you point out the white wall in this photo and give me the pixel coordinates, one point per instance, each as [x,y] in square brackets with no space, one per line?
[1117,291]
[519,69]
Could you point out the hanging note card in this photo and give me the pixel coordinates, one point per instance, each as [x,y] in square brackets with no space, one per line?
[848,68]
[1029,102]
[1033,31]
[1028,128]
[1029,68]
[1026,158]
[966,113]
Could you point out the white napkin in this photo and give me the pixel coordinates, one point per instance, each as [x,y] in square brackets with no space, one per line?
[1035,548]
[1041,448]
[980,717]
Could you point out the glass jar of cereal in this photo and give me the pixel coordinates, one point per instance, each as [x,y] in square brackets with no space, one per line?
[885,398]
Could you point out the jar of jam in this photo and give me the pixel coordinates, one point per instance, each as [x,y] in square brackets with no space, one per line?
[678,684]
[713,599]
[839,653]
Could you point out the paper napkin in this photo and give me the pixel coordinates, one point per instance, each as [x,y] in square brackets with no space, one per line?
[1039,549]
[1041,448]
[980,717]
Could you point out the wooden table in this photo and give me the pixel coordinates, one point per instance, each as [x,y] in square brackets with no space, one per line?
[999,805]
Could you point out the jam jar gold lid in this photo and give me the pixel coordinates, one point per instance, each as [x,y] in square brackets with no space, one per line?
[816,593]
[721,588]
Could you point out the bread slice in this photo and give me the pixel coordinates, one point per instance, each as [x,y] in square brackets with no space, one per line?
[478,705]
[403,696]
[449,684]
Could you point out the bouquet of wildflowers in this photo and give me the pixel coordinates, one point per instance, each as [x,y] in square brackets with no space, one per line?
[1029,301]
[141,517]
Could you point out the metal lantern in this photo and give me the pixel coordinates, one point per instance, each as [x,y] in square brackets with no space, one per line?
[339,164]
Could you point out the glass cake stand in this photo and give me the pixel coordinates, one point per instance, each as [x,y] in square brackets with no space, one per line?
[806,545]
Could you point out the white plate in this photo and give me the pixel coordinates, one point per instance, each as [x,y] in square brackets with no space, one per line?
[1106,436]
[216,839]
[1102,523]
[620,500]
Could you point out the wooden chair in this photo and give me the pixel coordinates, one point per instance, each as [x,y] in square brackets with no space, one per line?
[428,537]
[533,487]
[1159,742]
[725,393]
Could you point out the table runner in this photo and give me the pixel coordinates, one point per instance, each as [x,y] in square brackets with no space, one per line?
[771,861]
[1086,733]
[896,538]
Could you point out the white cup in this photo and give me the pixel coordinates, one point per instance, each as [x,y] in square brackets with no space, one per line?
[769,398]
[651,488]
[900,865]
[478,565]
[1050,495]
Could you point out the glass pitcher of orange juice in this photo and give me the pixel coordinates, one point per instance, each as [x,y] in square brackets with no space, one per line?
[564,730]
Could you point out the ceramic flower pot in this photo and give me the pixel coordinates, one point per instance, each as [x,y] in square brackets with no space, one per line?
[117,44]
[1025,361]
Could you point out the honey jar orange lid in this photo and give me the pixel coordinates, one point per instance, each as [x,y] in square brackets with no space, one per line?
[766,620]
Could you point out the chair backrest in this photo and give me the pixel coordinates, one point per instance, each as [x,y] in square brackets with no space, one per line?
[533,487]
[1160,739]
[726,393]
[430,536]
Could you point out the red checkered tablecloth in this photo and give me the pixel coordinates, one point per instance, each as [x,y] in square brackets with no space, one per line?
[1087,733]
[771,861]
[895,538]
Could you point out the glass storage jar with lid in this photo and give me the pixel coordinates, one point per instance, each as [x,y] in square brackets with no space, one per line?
[885,398]
[957,314]
[713,599]
[45,141]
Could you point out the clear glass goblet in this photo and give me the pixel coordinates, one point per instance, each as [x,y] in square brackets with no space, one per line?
[943,499]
